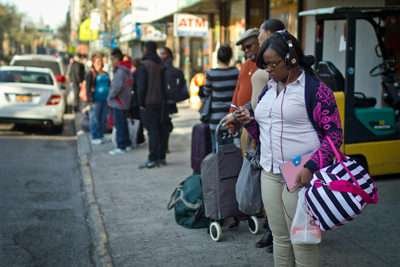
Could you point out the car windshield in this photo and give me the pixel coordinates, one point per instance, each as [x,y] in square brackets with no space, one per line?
[54,66]
[15,76]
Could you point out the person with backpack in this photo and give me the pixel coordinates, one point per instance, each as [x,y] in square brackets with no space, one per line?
[97,89]
[119,100]
[153,105]
[175,84]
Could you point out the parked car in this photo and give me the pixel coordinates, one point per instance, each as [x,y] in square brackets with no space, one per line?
[53,63]
[30,95]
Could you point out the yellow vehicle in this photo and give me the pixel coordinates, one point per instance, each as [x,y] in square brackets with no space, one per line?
[371,133]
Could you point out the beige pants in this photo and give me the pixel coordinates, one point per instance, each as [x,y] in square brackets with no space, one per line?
[280,206]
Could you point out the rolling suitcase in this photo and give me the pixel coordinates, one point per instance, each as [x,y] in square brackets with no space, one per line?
[219,173]
[201,145]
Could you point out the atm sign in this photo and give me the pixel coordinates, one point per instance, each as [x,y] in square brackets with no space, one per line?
[190,25]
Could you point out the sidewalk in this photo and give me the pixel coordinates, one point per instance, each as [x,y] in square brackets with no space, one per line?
[134,227]
[141,232]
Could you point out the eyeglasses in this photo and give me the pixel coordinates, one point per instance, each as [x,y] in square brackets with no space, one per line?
[271,64]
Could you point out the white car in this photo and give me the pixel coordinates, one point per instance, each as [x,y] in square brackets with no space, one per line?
[31,95]
[53,63]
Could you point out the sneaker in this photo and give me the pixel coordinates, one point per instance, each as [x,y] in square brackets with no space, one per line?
[148,165]
[128,148]
[97,141]
[116,151]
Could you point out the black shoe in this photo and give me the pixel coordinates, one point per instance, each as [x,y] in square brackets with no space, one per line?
[148,165]
[162,162]
[265,241]
[270,249]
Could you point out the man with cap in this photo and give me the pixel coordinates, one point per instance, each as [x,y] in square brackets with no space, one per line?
[249,43]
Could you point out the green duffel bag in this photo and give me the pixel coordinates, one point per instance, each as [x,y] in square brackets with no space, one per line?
[187,201]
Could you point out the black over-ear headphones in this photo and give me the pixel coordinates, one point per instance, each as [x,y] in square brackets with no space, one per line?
[290,57]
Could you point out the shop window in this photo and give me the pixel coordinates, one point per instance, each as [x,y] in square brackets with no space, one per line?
[256,13]
[286,11]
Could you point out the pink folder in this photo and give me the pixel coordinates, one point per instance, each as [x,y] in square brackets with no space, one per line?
[291,168]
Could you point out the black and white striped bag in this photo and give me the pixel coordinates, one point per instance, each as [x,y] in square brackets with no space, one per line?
[339,192]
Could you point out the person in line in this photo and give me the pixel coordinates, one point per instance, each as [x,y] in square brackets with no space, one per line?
[152,101]
[296,113]
[249,44]
[172,74]
[76,77]
[220,83]
[97,89]
[258,81]
[119,100]
[135,109]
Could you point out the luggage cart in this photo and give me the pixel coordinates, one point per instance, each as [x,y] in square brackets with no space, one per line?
[219,173]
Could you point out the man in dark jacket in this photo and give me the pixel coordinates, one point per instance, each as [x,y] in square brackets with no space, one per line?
[152,102]
[76,77]
[119,99]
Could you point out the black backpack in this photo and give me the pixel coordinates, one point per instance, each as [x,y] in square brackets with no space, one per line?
[176,85]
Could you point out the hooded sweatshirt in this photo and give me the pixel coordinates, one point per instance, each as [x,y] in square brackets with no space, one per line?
[120,91]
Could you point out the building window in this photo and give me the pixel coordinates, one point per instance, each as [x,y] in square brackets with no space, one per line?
[286,11]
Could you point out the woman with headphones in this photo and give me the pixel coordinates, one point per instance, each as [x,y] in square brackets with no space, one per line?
[296,113]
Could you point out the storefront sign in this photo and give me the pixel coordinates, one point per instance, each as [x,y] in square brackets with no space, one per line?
[153,32]
[86,33]
[190,25]
[127,28]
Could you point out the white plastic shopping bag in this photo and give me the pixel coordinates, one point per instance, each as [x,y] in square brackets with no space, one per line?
[303,229]
[133,127]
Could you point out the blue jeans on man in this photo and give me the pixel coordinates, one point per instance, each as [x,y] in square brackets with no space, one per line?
[97,118]
[121,126]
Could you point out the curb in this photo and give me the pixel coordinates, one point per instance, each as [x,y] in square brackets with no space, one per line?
[101,257]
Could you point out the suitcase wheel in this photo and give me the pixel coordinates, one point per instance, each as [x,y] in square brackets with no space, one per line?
[215,231]
[254,225]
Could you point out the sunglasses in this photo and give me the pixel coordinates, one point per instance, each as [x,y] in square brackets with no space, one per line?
[271,64]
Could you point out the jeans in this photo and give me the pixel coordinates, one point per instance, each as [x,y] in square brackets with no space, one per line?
[97,119]
[156,124]
[280,206]
[121,126]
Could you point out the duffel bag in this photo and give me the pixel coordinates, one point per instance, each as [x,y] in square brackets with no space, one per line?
[339,192]
[187,201]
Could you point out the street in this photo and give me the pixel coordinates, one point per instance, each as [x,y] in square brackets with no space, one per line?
[42,211]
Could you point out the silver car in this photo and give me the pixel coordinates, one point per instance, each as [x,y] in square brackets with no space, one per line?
[54,63]
[31,95]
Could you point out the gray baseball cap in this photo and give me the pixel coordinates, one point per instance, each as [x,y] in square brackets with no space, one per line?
[247,34]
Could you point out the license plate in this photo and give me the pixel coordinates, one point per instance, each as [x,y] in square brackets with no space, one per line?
[23,98]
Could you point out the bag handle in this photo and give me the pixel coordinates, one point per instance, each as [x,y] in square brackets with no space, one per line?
[173,200]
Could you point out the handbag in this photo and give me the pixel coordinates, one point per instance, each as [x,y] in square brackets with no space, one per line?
[339,192]
[303,229]
[82,92]
[187,202]
[248,185]
[205,110]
